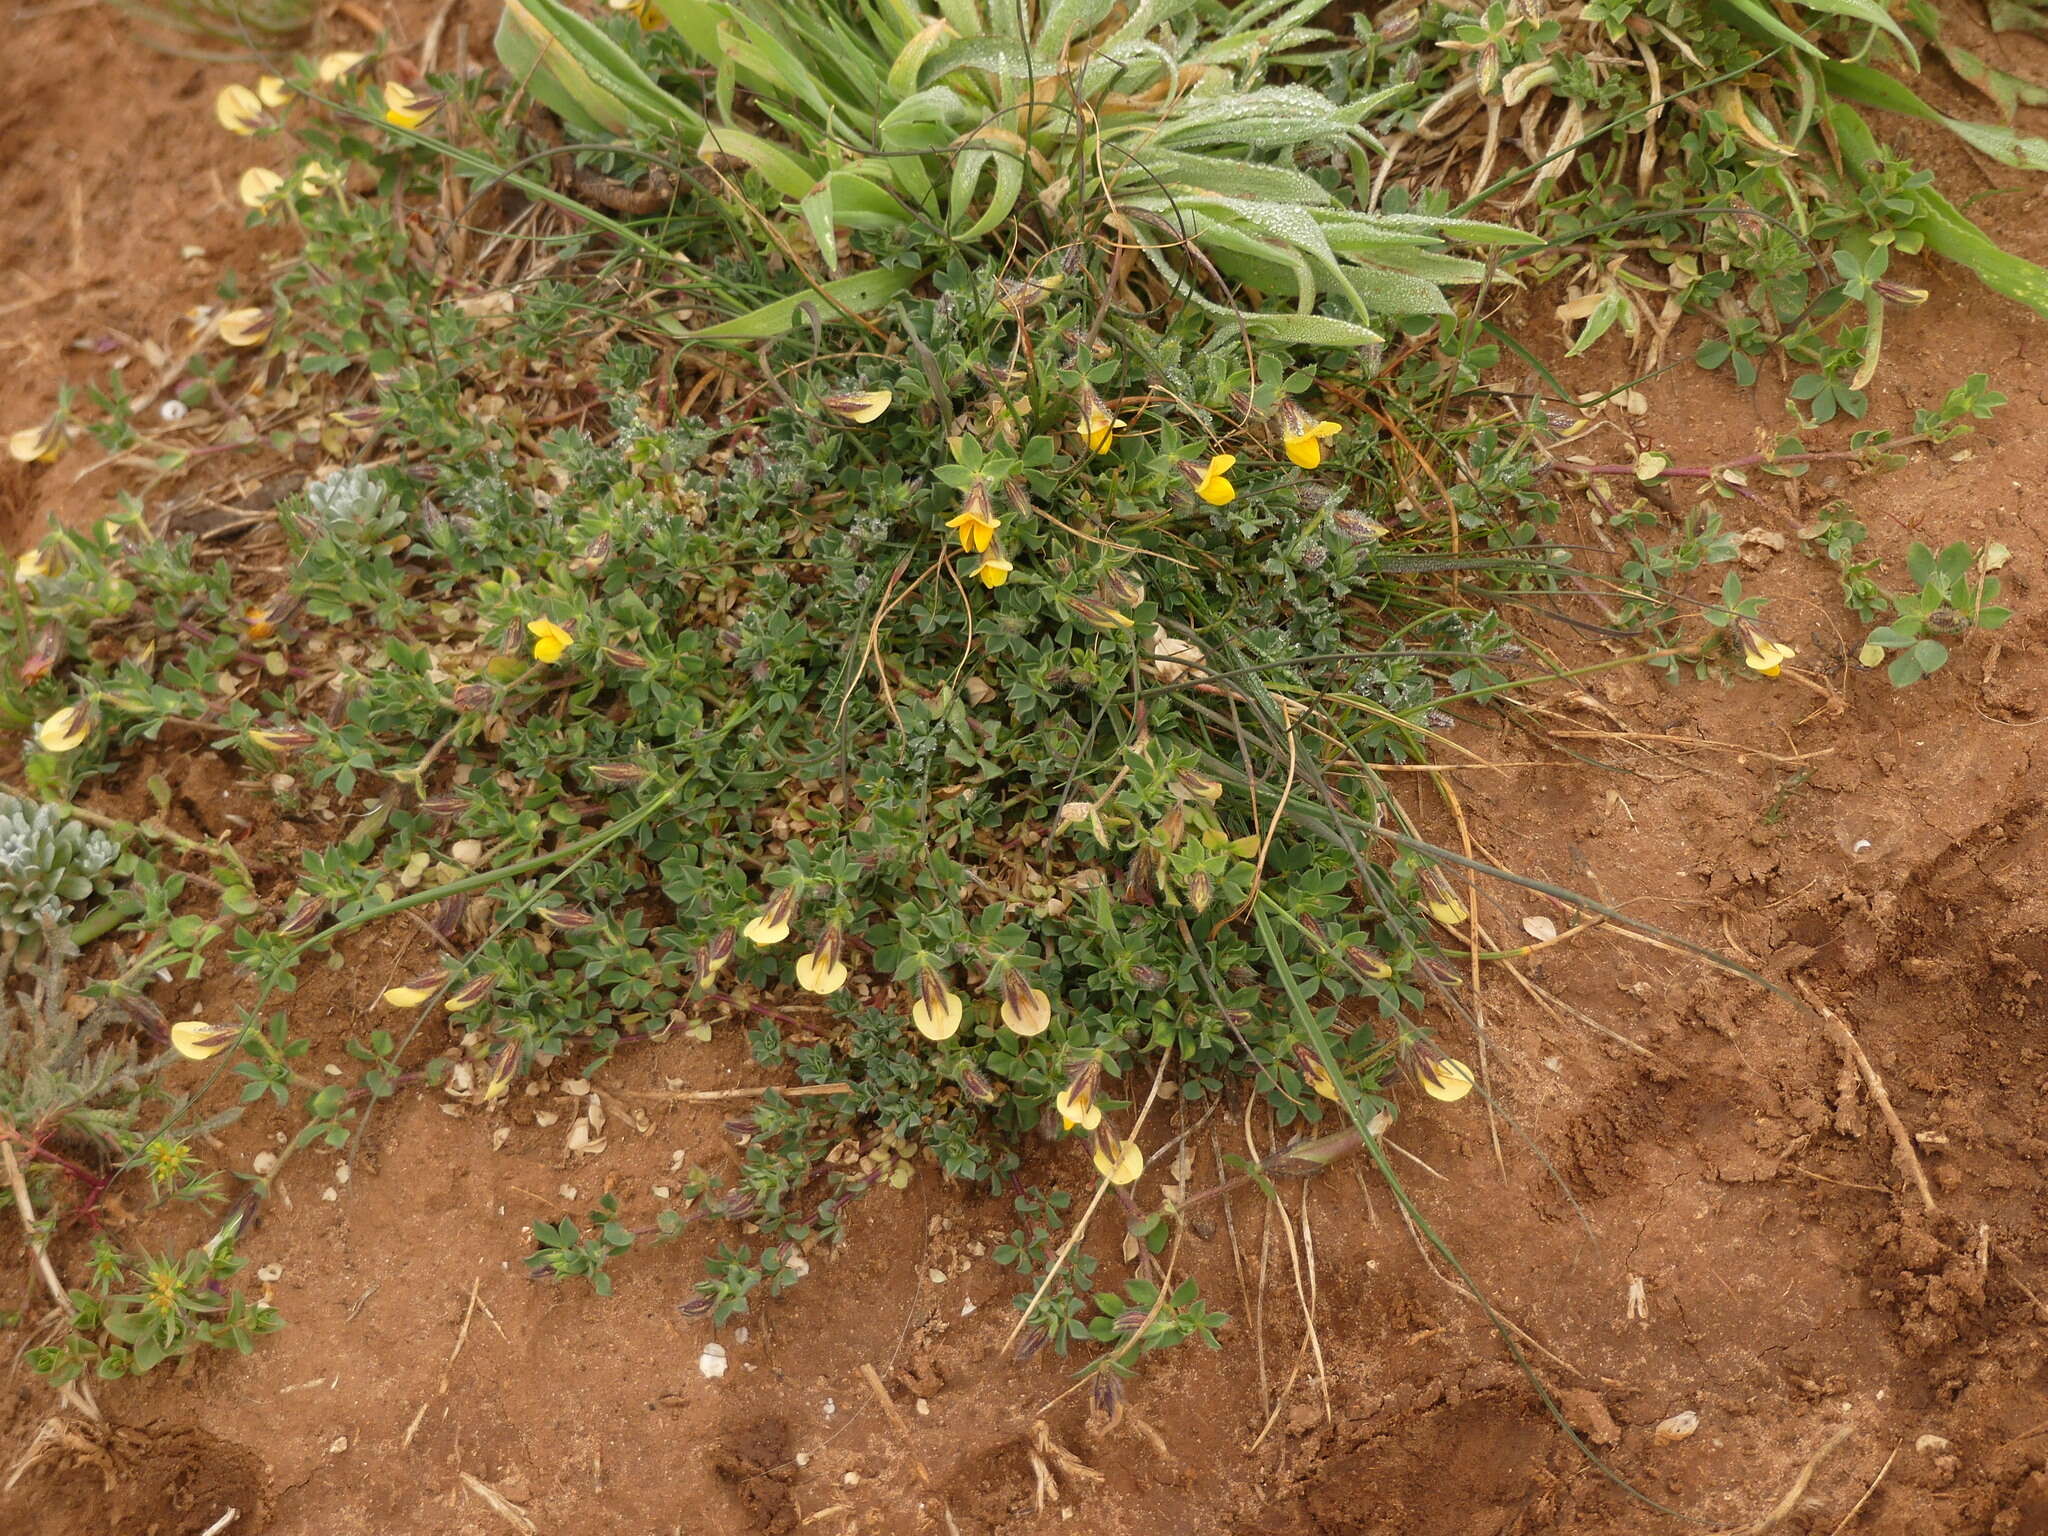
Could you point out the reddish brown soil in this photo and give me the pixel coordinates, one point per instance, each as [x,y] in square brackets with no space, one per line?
[1887,848]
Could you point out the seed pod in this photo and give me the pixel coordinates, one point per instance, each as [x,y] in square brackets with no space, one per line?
[629,661]
[1173,828]
[978,1088]
[565,919]
[283,738]
[1119,590]
[617,775]
[468,698]
[697,1306]
[445,806]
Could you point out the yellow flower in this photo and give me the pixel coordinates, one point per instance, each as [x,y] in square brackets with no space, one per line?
[1212,484]
[239,110]
[1302,435]
[334,65]
[67,729]
[771,923]
[977,522]
[1097,427]
[195,1039]
[316,178]
[650,18]
[412,993]
[37,445]
[244,327]
[1076,1101]
[33,564]
[1760,653]
[1314,1073]
[1117,1160]
[272,91]
[935,1010]
[470,993]
[405,107]
[994,569]
[1443,1077]
[259,184]
[1440,901]
[504,1066]
[822,971]
[859,406]
[550,640]
[1026,1010]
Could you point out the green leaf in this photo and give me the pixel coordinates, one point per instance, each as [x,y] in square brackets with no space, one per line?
[861,293]
[1870,88]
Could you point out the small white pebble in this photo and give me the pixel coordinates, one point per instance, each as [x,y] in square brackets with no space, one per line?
[1929,1445]
[937,1277]
[174,410]
[739,1335]
[263,1164]
[1678,1427]
[661,1191]
[568,1191]
[342,1173]
[337,1445]
[330,1193]
[924,1407]
[830,1407]
[270,1274]
[712,1361]
[803,1458]
[967,1307]
[851,1480]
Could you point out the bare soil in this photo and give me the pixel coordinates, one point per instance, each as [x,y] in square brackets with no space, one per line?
[1694,1207]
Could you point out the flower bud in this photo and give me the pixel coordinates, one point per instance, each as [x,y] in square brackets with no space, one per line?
[1201,891]
[43,655]
[976,1086]
[697,1307]
[282,738]
[471,992]
[504,1066]
[565,919]
[712,957]
[303,918]
[617,775]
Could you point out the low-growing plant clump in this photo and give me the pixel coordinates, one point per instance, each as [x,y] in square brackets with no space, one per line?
[965,648]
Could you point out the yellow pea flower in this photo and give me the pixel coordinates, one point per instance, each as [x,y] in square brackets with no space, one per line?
[244,327]
[1302,435]
[1117,1160]
[411,994]
[550,640]
[1440,901]
[1212,483]
[239,110]
[66,730]
[1760,653]
[1444,1077]
[1314,1073]
[317,178]
[822,971]
[1076,1101]
[34,564]
[935,1010]
[994,569]
[259,184]
[38,445]
[470,993]
[977,522]
[405,107]
[1026,1010]
[859,406]
[272,91]
[1096,426]
[333,66]
[771,923]
[504,1066]
[195,1039]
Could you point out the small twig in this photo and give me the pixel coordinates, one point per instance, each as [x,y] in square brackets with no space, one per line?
[227,1518]
[27,1213]
[1843,1524]
[1874,1083]
[1794,1494]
